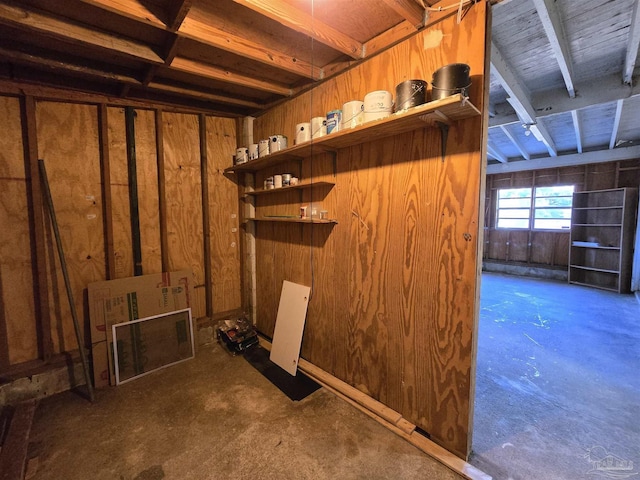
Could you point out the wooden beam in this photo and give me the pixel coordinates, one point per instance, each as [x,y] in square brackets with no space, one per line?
[616,124]
[52,27]
[577,127]
[132,9]
[495,152]
[210,35]
[162,195]
[179,11]
[13,456]
[302,22]
[186,65]
[633,45]
[552,24]
[516,143]
[519,98]
[409,10]
[36,210]
[205,96]
[572,160]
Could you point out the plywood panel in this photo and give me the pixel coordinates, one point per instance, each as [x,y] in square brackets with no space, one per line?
[119,183]
[68,143]
[183,186]
[223,211]
[396,277]
[17,309]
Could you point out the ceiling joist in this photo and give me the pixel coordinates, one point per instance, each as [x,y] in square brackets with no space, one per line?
[409,10]
[42,23]
[495,152]
[616,124]
[178,14]
[633,45]
[577,127]
[552,23]
[302,22]
[516,143]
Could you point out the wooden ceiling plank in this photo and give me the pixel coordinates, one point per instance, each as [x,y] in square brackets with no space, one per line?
[179,13]
[633,45]
[209,35]
[31,20]
[577,127]
[302,22]
[208,71]
[554,29]
[132,9]
[409,10]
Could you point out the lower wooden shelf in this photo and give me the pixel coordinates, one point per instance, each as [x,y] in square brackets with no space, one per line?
[287,219]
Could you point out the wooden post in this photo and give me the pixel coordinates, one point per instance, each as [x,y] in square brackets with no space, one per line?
[129,118]
[206,227]
[105,170]
[36,202]
[162,204]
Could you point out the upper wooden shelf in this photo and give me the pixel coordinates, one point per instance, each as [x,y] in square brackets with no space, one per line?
[445,111]
[301,186]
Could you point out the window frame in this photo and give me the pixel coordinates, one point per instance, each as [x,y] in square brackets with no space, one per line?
[533,209]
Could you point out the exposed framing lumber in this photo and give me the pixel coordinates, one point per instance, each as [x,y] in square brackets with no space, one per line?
[577,127]
[516,143]
[204,96]
[105,173]
[218,38]
[180,10]
[633,45]
[599,156]
[519,98]
[13,456]
[162,194]
[200,69]
[304,23]
[552,24]
[616,124]
[495,152]
[36,205]
[206,222]
[34,21]
[409,10]
[132,9]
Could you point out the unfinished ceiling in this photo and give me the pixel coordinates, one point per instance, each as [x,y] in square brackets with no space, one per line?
[562,85]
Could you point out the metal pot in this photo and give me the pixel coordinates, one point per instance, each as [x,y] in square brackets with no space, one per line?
[451,79]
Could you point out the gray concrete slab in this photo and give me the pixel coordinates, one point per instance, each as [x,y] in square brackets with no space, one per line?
[216,417]
[558,383]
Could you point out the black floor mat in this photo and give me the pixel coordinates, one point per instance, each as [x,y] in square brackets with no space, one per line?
[296,388]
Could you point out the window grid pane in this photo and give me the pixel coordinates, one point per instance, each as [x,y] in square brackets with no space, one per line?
[514,208]
[552,207]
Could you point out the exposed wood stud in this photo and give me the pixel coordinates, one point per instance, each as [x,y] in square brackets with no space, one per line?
[179,12]
[40,283]
[302,22]
[495,152]
[552,24]
[206,224]
[409,10]
[516,143]
[105,170]
[633,45]
[134,213]
[162,202]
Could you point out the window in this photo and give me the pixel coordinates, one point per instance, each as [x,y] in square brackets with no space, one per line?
[553,207]
[548,209]
[514,208]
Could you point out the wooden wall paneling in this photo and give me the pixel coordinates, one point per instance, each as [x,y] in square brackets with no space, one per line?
[542,247]
[601,176]
[498,248]
[18,334]
[518,246]
[411,263]
[561,250]
[119,183]
[183,190]
[68,141]
[224,216]
[148,194]
[105,180]
[41,283]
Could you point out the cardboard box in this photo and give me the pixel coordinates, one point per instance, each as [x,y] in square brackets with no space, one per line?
[126,299]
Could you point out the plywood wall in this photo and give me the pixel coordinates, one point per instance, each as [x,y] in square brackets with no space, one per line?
[547,248]
[394,283]
[73,143]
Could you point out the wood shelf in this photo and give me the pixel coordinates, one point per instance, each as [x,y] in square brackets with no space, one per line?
[300,186]
[596,247]
[294,220]
[444,111]
[593,269]
[599,208]
[617,225]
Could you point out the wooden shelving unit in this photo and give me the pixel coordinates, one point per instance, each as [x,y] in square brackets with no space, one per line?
[300,186]
[602,226]
[294,220]
[444,111]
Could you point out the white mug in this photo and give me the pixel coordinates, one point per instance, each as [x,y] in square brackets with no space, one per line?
[263,148]
[242,155]
[253,151]
[352,114]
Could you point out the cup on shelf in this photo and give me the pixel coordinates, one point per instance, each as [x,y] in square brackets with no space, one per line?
[303,132]
[318,127]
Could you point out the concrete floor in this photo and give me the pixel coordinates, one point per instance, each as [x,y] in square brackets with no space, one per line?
[215,417]
[558,382]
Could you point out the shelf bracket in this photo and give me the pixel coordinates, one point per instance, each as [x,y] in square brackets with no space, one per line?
[444,134]
[440,120]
